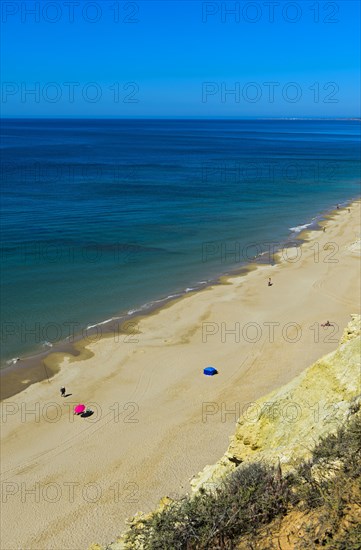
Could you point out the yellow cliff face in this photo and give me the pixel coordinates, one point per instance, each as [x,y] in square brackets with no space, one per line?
[284,425]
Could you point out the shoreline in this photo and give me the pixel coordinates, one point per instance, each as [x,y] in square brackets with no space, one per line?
[157,419]
[23,372]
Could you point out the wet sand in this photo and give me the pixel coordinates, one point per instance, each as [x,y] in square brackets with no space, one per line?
[69,481]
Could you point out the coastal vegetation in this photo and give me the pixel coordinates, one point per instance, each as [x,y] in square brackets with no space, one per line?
[280,485]
[257,507]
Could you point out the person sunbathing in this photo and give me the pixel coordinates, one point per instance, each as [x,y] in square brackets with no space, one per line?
[327,324]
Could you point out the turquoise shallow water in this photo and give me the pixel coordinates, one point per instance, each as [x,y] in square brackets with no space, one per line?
[103,217]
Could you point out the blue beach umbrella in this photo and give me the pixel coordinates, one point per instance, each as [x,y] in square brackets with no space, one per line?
[210,371]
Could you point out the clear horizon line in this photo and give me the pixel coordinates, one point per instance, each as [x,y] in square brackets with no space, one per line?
[174,117]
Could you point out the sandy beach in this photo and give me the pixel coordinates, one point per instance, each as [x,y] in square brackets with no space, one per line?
[69,481]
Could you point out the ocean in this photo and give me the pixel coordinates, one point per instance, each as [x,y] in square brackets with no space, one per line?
[102,219]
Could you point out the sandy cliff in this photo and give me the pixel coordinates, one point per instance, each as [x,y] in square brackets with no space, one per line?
[284,426]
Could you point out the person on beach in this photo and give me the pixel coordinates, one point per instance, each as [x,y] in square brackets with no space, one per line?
[270,282]
[338,207]
[62,391]
[349,210]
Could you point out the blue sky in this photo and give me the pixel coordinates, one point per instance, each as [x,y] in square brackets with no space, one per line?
[180,58]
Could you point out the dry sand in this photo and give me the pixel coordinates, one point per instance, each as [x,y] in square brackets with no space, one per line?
[69,481]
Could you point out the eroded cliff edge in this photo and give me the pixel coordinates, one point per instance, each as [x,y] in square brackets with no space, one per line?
[285,424]
[283,427]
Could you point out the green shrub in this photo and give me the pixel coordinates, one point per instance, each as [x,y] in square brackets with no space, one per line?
[249,498]
[255,494]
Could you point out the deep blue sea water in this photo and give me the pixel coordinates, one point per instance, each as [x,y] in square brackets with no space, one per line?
[102,217]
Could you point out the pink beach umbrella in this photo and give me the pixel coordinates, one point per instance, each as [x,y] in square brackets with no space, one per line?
[79,409]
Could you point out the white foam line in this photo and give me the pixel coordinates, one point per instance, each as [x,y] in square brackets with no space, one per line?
[299,228]
[101,323]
